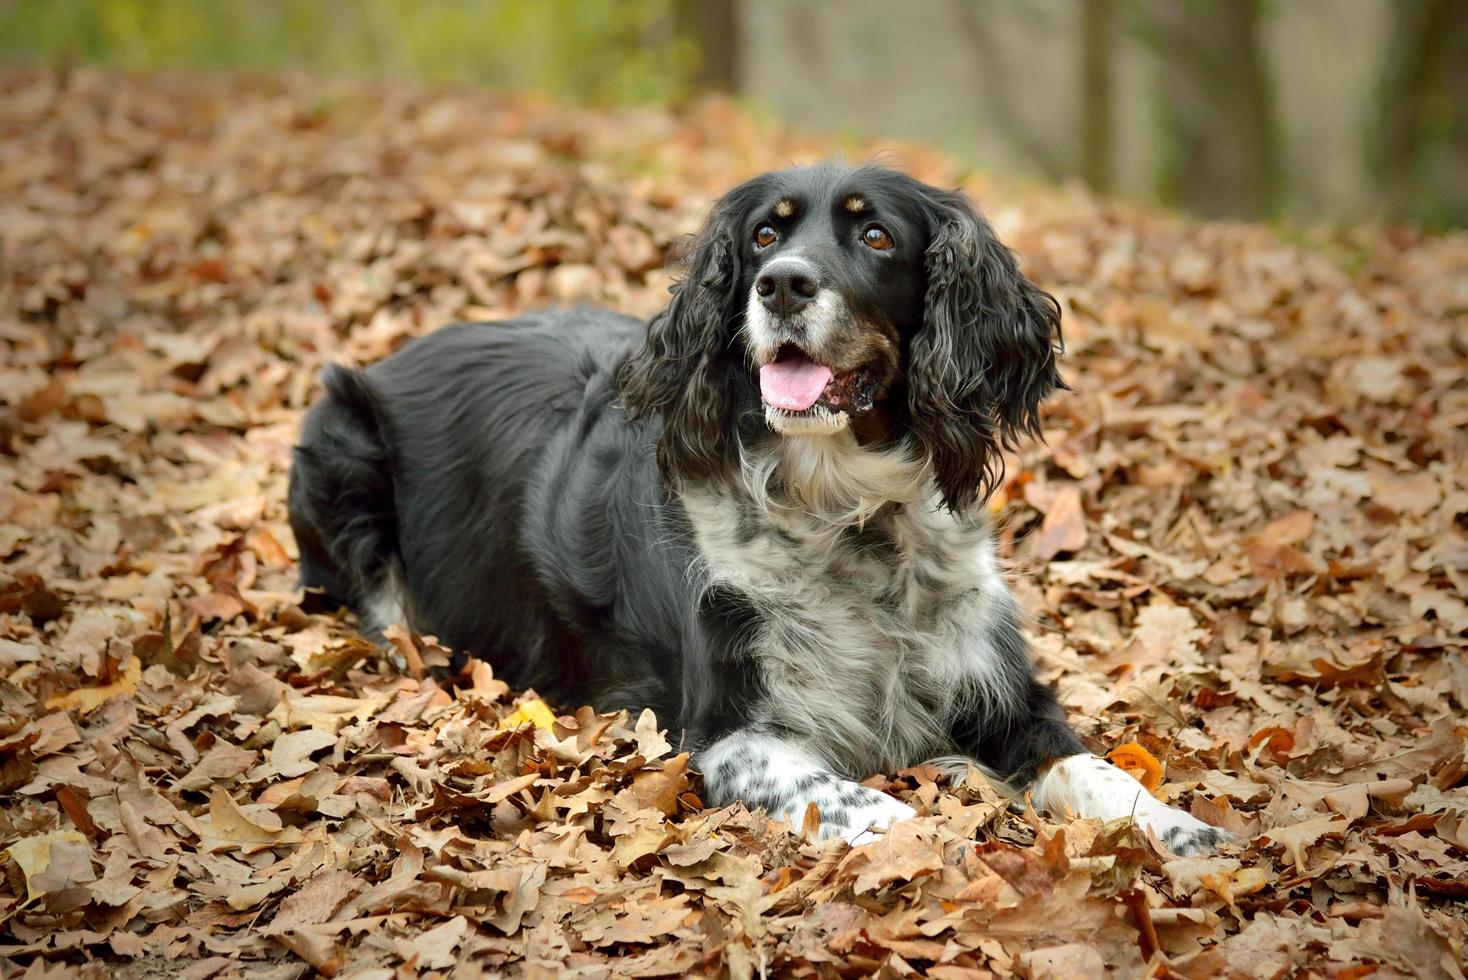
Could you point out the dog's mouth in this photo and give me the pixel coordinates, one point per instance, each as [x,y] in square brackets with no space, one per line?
[795,382]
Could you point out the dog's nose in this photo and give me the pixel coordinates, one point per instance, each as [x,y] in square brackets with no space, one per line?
[787,286]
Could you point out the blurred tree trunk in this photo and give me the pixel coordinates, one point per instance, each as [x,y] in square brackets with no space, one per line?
[1423,113]
[1098,42]
[1221,142]
[996,90]
[714,26]
[1455,152]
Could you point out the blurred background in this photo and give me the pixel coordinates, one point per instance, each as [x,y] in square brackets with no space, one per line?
[1330,111]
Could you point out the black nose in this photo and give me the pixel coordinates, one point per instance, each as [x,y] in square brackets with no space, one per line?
[787,286]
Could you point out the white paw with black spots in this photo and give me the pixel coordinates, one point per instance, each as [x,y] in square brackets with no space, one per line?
[764,770]
[864,815]
[1184,834]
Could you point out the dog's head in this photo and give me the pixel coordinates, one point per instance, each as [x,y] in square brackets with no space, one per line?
[822,299]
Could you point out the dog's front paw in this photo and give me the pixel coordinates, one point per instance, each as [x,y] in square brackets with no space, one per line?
[860,813]
[1184,834]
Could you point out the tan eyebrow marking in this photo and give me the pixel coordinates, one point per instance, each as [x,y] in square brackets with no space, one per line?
[856,204]
[785,208]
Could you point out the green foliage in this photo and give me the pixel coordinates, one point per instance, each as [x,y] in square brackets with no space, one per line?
[588,50]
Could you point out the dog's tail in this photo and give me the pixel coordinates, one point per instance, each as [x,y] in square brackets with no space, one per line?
[342,502]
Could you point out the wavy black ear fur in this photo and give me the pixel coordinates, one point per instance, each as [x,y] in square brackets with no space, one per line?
[683,370]
[984,358]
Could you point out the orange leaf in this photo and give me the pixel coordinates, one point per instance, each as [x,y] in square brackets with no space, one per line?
[1140,764]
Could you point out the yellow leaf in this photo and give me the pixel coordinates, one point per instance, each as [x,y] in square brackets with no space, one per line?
[33,855]
[1235,885]
[89,699]
[1247,881]
[533,712]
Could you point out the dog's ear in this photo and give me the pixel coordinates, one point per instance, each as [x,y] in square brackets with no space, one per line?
[984,358]
[685,371]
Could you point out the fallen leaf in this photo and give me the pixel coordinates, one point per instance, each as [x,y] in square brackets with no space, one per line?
[435,948]
[659,789]
[33,856]
[227,827]
[1138,763]
[530,712]
[290,756]
[221,763]
[88,699]
[1064,527]
[905,852]
[1297,838]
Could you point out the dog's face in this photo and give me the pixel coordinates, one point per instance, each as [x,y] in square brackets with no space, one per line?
[834,284]
[822,299]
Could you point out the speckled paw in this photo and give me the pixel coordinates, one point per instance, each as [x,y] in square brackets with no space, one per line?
[864,823]
[1185,835]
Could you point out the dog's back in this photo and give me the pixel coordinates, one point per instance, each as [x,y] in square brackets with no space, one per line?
[425,489]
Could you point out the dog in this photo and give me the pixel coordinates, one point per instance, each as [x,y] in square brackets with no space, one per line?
[761,514]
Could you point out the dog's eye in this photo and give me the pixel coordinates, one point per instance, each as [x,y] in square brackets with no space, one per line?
[876,237]
[764,236]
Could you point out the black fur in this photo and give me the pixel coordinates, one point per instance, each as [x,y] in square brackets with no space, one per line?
[349,498]
[685,373]
[1033,732]
[985,357]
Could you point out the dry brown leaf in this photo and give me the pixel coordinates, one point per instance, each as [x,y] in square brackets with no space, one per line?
[221,763]
[227,827]
[906,851]
[1064,527]
[659,789]
[435,948]
[1298,838]
[290,755]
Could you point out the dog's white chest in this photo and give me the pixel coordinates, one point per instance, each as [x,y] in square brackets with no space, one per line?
[867,635]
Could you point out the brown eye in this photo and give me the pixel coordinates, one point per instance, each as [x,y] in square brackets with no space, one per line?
[876,237]
[764,236]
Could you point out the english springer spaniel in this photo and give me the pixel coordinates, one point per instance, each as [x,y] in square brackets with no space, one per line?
[761,514]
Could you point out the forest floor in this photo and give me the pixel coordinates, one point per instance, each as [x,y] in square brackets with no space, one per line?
[1244,544]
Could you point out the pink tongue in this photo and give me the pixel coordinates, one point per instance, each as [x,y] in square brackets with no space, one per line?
[794,382]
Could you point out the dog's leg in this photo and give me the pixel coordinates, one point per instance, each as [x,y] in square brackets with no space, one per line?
[1031,745]
[1092,787]
[785,778]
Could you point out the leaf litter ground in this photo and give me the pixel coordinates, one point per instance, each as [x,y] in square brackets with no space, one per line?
[1244,545]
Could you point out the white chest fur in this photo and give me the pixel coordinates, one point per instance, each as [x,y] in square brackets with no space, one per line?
[874,602]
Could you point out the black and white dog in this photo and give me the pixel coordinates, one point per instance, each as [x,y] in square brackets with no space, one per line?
[762,514]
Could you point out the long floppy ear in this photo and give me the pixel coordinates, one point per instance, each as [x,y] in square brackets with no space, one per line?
[984,358]
[685,370]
